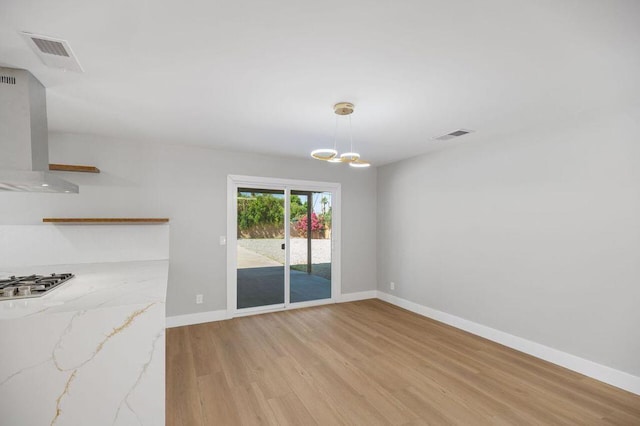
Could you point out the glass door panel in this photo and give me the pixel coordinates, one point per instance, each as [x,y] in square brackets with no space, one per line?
[310,246]
[260,248]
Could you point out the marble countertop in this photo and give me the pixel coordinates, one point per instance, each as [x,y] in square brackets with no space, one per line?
[91,352]
[95,285]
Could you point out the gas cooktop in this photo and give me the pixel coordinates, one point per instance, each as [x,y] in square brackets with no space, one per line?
[30,286]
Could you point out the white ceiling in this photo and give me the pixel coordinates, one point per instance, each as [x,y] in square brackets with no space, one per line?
[262,76]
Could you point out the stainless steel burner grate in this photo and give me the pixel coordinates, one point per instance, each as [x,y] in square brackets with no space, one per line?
[31,285]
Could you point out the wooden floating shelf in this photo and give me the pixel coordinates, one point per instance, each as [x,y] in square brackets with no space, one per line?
[72,168]
[98,220]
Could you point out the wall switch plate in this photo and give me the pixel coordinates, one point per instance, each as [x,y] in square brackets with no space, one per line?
[223,240]
[392,285]
[199,299]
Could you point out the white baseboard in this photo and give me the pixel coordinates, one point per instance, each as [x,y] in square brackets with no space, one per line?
[199,318]
[361,295]
[591,369]
[209,316]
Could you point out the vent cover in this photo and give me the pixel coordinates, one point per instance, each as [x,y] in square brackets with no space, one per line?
[5,79]
[54,53]
[50,47]
[455,134]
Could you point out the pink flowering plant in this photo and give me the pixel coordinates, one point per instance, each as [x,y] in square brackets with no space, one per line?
[317,224]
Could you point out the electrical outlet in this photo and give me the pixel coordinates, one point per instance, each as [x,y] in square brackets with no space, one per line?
[199,299]
[392,285]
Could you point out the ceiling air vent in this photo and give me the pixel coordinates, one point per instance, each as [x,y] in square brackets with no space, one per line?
[54,53]
[457,133]
[50,47]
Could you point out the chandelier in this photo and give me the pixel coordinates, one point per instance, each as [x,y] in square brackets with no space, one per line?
[331,154]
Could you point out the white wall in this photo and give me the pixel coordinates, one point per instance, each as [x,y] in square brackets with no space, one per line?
[43,244]
[536,235]
[188,185]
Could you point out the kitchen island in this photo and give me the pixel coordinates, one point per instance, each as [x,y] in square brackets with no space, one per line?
[90,352]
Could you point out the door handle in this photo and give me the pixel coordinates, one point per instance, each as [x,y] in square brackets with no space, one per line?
[282,246]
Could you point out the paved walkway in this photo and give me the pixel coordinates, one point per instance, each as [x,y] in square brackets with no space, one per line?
[251,259]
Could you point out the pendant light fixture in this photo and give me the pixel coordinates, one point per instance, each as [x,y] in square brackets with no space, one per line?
[331,154]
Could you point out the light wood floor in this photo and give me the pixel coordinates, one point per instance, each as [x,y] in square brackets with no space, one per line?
[370,363]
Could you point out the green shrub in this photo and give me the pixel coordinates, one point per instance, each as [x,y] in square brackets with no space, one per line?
[261,209]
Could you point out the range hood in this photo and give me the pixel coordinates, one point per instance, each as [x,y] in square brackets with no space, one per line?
[24,147]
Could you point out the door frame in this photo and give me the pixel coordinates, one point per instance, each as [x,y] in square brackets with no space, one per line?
[240,181]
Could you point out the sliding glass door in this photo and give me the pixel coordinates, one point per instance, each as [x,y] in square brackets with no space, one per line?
[283,246]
